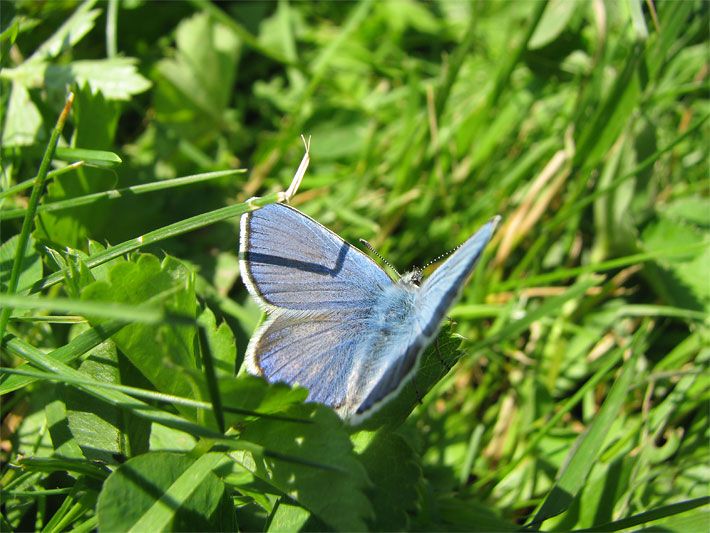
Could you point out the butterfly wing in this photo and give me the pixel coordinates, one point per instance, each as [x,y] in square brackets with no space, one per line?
[443,287]
[319,293]
[319,351]
[289,260]
[433,300]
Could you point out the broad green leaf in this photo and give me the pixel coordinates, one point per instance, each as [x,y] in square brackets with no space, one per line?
[393,467]
[288,517]
[116,78]
[680,279]
[343,504]
[342,135]
[692,209]
[31,266]
[254,394]
[164,354]
[163,491]
[105,432]
[194,89]
[96,120]
[22,119]
[222,345]
[65,445]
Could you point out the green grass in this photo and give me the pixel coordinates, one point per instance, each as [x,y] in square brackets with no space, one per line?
[578,393]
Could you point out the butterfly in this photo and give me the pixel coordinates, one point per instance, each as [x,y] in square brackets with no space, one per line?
[338,324]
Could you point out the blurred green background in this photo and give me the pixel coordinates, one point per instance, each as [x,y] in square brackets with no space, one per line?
[582,123]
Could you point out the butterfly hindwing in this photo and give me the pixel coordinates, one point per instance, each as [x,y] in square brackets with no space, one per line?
[319,351]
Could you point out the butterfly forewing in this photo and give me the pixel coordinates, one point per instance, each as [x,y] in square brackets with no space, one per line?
[443,287]
[288,260]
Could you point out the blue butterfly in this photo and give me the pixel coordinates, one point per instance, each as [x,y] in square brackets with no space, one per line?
[336,323]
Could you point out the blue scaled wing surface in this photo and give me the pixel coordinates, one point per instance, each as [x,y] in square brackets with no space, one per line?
[336,323]
[441,290]
[318,292]
[433,300]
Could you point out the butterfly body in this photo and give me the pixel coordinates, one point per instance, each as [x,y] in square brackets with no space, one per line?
[336,323]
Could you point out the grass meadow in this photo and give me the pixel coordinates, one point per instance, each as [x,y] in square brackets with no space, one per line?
[570,387]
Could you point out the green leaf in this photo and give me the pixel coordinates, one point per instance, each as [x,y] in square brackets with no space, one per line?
[393,467]
[116,78]
[104,431]
[65,445]
[222,345]
[96,120]
[163,353]
[343,505]
[250,393]
[31,266]
[573,475]
[194,89]
[554,20]
[288,518]
[691,209]
[22,119]
[68,34]
[681,279]
[163,491]
[100,158]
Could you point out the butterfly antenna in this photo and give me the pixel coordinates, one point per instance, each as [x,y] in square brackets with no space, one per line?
[436,259]
[372,249]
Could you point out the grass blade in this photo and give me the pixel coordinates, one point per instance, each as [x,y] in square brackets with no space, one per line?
[67,353]
[650,516]
[166,232]
[37,189]
[28,183]
[121,193]
[147,314]
[574,473]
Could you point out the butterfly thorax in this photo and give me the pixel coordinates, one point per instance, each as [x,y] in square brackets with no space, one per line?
[392,324]
[392,316]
